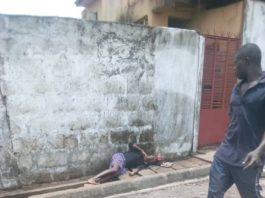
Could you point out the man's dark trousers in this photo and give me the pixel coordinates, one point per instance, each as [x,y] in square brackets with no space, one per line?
[223,176]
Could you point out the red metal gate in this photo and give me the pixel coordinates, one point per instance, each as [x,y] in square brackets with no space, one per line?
[218,81]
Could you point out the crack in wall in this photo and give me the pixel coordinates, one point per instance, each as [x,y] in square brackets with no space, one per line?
[9,164]
[3,99]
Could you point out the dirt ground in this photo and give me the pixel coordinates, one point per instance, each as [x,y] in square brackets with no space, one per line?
[187,189]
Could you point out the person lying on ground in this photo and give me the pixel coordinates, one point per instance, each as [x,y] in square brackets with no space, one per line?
[135,157]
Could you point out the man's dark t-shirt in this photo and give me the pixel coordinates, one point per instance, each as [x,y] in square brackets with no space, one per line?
[247,124]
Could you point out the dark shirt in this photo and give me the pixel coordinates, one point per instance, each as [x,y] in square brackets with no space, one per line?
[247,124]
[133,159]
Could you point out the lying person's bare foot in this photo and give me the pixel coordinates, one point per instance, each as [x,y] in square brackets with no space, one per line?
[92,181]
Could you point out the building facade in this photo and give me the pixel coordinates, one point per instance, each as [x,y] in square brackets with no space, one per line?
[207,17]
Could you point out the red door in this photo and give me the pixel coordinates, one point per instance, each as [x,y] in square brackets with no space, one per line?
[218,81]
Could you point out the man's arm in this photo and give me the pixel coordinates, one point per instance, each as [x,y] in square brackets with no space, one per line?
[253,158]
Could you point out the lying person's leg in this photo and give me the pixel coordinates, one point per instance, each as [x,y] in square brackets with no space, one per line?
[105,175]
[116,167]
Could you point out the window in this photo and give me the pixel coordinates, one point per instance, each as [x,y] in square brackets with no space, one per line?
[176,23]
[143,20]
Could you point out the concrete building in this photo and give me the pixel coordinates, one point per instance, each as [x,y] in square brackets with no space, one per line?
[218,18]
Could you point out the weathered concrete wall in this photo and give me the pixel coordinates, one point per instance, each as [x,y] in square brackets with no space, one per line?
[76,91]
[8,165]
[177,79]
[254,25]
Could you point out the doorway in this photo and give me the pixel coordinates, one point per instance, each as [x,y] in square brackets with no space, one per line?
[218,81]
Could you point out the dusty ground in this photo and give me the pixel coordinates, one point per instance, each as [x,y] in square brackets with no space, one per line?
[188,189]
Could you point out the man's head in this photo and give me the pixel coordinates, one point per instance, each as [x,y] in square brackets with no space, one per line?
[247,60]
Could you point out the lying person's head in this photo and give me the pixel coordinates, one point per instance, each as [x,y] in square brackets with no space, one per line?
[153,159]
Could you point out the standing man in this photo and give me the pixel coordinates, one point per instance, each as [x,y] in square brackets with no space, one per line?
[239,159]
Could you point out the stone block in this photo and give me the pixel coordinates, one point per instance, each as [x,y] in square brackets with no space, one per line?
[25,145]
[148,103]
[140,119]
[95,102]
[122,137]
[78,156]
[73,157]
[9,183]
[82,121]
[58,142]
[115,119]
[70,141]
[104,139]
[42,177]
[146,85]
[97,164]
[52,159]
[127,103]
[147,136]
[148,147]
[113,85]
[25,162]
[122,103]
[150,70]
[129,69]
[60,176]
[132,87]
[137,122]
[90,138]
[75,172]
[133,102]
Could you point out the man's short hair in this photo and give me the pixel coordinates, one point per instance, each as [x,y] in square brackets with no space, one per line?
[252,52]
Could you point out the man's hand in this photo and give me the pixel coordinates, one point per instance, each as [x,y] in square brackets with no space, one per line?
[252,159]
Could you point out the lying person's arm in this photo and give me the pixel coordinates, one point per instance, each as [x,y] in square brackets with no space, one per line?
[135,146]
[138,169]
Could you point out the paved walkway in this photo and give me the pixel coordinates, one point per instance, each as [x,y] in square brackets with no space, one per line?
[192,167]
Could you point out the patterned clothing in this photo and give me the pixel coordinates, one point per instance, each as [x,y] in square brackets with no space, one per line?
[119,159]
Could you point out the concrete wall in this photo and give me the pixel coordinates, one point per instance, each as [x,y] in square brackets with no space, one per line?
[74,92]
[254,26]
[176,92]
[223,21]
